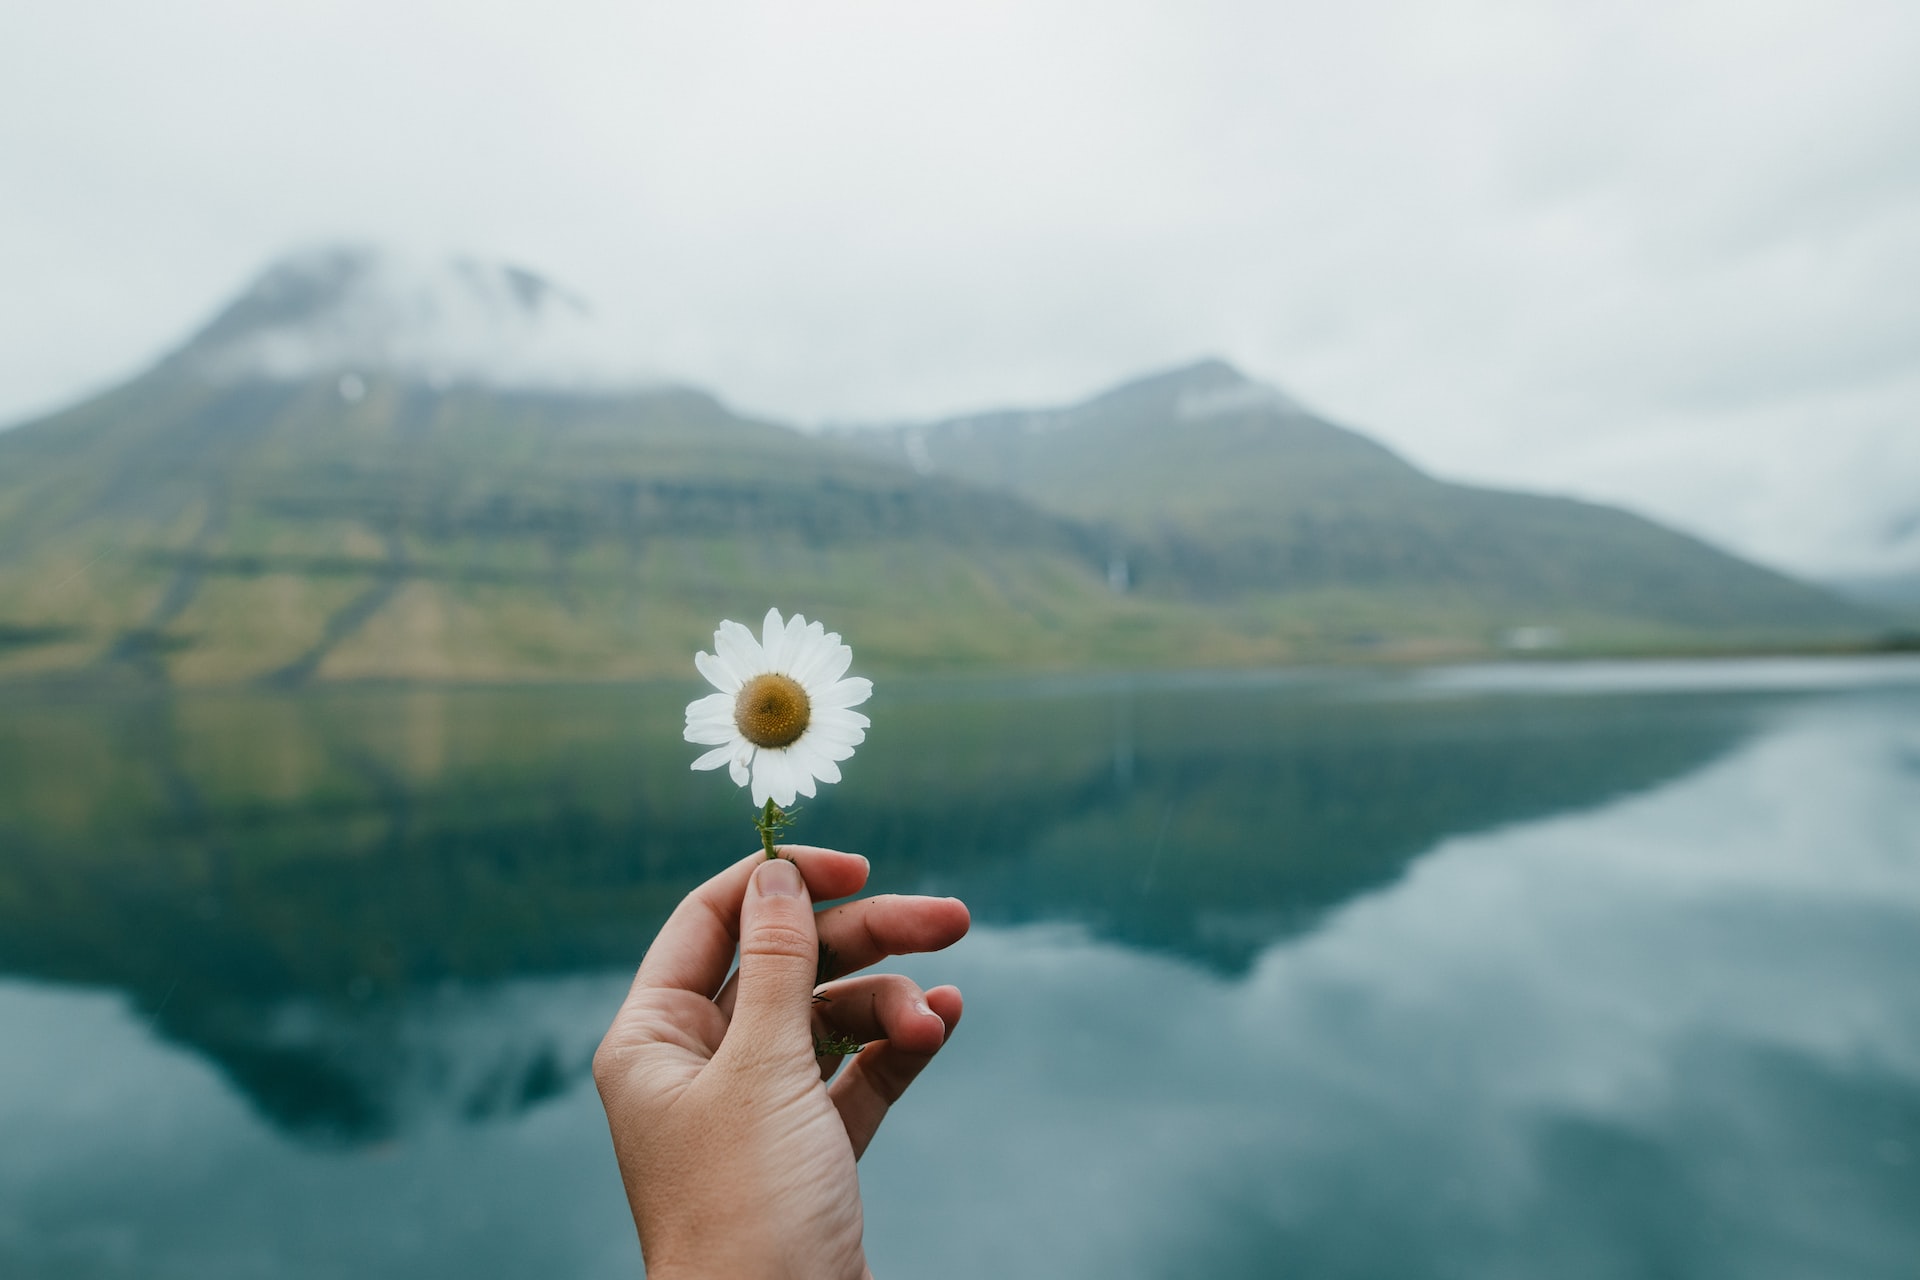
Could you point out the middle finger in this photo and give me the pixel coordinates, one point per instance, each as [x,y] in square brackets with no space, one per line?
[879,1006]
[865,932]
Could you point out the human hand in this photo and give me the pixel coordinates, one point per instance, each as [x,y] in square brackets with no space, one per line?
[737,1153]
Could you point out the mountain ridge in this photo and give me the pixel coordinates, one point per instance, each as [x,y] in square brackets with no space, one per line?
[1257,490]
[354,309]
[372,511]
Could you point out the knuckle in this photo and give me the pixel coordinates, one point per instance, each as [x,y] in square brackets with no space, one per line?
[617,1055]
[780,938]
[893,994]
[608,1065]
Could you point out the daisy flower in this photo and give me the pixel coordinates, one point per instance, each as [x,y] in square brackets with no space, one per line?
[783,717]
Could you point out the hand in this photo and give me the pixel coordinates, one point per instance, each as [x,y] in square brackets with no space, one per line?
[737,1154]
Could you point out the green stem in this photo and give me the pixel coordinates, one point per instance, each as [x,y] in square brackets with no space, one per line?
[773,820]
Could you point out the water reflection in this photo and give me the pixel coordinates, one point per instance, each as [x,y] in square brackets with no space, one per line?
[1659,1023]
[1679,1036]
[304,889]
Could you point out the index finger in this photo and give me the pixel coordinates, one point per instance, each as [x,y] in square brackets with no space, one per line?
[694,948]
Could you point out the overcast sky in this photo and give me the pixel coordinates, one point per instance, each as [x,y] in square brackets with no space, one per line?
[1665,253]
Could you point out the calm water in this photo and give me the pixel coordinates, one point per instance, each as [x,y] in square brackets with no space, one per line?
[1583,972]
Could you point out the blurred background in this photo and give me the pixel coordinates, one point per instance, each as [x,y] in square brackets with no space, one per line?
[1388,538]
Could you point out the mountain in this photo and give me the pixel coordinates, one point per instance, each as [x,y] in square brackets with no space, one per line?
[1891,578]
[354,471]
[1899,592]
[367,468]
[1210,486]
[347,309]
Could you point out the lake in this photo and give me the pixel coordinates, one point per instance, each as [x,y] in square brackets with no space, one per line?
[1603,970]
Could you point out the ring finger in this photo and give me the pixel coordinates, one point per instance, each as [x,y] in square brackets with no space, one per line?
[879,1006]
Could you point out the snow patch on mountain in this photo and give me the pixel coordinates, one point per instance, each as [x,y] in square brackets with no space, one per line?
[355,310]
[1246,397]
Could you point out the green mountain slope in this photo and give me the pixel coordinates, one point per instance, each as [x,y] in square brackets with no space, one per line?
[320,486]
[1209,486]
[210,533]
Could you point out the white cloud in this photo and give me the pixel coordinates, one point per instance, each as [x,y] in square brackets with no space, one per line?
[1652,253]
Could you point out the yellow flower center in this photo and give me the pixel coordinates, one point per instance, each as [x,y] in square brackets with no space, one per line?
[772,711]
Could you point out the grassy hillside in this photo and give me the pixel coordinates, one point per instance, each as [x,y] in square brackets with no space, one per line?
[1216,488]
[275,531]
[200,530]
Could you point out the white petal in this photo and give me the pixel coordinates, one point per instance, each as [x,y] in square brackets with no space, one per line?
[850,735]
[719,672]
[840,718]
[820,648]
[715,706]
[834,667]
[797,774]
[737,768]
[779,774]
[802,780]
[735,646]
[766,776]
[715,758]
[773,641]
[709,733]
[801,655]
[809,757]
[833,750]
[848,693]
[793,645]
[850,731]
[797,778]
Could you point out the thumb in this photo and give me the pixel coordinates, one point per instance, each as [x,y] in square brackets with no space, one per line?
[779,957]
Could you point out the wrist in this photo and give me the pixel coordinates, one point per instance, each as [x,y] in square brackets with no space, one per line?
[719,1256]
[735,1263]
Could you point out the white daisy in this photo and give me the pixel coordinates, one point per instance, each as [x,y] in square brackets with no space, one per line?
[783,715]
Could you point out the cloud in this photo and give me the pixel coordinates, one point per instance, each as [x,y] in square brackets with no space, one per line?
[1593,249]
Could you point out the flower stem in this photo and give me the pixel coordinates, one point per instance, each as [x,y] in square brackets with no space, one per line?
[773,820]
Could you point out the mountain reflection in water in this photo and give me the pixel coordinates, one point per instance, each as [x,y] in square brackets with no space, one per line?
[1383,976]
[292,885]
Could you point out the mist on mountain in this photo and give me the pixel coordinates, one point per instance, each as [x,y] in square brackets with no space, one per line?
[350,309]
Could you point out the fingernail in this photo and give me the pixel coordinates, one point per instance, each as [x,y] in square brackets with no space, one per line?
[778,878]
